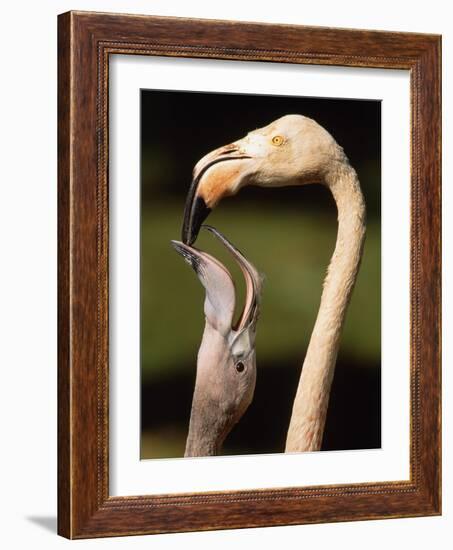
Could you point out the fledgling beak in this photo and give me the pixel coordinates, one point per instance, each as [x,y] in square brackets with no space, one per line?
[204,194]
[218,283]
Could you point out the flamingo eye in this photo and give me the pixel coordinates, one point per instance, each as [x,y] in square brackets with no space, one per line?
[240,367]
[277,140]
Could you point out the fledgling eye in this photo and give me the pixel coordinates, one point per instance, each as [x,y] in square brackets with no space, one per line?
[240,367]
[277,140]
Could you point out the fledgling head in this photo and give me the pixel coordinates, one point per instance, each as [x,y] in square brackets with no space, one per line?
[226,363]
[292,150]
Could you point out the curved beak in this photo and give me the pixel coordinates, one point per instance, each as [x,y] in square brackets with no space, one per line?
[253,282]
[219,286]
[196,210]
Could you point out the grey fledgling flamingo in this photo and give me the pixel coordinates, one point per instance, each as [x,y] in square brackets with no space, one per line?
[226,363]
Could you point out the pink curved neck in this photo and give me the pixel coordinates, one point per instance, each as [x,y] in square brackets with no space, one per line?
[310,405]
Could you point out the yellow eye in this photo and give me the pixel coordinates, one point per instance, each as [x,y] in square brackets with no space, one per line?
[277,140]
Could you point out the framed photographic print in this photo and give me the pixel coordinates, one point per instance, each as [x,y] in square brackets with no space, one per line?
[249,275]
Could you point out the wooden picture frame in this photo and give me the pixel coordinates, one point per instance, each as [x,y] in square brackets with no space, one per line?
[85,41]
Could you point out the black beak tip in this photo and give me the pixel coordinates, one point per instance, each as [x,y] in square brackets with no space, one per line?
[194,215]
[176,245]
[180,248]
[190,255]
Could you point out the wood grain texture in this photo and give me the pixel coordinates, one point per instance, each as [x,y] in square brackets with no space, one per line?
[85,42]
[64,372]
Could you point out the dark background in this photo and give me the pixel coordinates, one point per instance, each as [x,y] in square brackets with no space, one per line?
[289,234]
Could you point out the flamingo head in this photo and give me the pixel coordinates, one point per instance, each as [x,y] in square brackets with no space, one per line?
[292,150]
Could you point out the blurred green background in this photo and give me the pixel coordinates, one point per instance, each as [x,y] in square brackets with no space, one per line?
[289,234]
